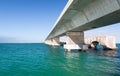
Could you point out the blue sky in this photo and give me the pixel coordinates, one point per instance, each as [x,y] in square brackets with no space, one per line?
[28,20]
[31,20]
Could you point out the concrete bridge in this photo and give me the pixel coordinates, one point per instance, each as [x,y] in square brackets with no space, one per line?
[81,15]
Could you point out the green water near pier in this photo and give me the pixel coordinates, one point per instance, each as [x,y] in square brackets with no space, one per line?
[44,60]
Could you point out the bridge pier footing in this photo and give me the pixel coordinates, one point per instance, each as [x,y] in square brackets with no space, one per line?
[75,40]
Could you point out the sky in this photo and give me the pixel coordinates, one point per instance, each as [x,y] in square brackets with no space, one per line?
[30,21]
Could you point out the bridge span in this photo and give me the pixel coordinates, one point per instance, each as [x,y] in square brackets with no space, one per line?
[81,15]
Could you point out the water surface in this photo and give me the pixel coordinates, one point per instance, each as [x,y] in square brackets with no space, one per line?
[44,60]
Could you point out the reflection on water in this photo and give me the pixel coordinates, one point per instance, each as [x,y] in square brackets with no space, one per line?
[110,53]
[92,62]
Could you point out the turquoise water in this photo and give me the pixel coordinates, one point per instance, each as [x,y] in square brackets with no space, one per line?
[44,60]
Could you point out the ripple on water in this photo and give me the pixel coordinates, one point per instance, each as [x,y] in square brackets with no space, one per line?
[44,60]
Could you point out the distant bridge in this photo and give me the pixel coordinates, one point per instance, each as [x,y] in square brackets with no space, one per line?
[107,41]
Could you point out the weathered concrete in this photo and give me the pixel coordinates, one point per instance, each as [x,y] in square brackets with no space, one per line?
[108,41]
[82,15]
[75,40]
[54,41]
[49,42]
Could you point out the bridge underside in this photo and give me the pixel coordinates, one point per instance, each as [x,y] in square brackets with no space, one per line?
[109,19]
[82,15]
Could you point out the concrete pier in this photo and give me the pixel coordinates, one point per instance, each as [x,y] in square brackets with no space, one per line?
[108,41]
[54,41]
[49,41]
[75,40]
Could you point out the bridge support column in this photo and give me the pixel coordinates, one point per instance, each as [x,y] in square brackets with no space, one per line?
[49,42]
[75,40]
[56,41]
[107,41]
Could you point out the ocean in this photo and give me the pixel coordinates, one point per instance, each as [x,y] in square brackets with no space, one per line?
[39,59]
